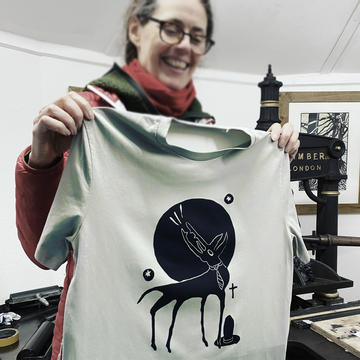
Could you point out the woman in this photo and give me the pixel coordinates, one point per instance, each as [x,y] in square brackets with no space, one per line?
[165,42]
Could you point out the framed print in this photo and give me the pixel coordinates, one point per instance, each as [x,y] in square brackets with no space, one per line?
[331,114]
[75,88]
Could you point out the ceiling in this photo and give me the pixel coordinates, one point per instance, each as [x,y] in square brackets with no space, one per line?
[317,36]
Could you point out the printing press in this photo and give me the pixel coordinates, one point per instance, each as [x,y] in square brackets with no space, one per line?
[318,158]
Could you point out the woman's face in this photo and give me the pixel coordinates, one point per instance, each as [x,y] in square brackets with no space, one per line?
[173,65]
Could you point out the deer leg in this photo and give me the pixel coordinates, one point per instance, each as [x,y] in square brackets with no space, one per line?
[175,310]
[222,306]
[203,301]
[158,305]
[153,345]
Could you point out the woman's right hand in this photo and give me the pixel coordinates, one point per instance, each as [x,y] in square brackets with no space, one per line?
[55,126]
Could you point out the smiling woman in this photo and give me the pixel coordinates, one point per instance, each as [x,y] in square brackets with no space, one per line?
[165,42]
[172,64]
[144,10]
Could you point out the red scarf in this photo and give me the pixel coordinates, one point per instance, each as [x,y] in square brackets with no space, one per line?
[168,102]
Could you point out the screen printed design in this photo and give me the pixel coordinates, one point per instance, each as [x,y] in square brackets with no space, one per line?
[194,242]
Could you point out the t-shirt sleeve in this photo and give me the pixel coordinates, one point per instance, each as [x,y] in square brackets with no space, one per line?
[295,232]
[68,209]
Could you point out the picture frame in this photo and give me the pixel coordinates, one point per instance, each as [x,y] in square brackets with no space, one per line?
[75,88]
[326,108]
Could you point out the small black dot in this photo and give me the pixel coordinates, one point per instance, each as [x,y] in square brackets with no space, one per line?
[148,274]
[229,198]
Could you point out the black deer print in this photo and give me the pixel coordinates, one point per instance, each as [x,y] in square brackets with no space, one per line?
[213,281]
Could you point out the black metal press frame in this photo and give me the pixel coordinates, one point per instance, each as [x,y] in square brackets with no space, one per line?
[318,158]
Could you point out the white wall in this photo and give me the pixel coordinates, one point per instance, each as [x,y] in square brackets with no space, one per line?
[28,82]
[33,74]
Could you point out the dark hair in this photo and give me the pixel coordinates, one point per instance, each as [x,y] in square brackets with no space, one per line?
[143,9]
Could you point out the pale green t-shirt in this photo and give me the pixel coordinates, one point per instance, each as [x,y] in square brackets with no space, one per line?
[183,241]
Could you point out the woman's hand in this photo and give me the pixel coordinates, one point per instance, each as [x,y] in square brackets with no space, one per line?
[286,137]
[54,127]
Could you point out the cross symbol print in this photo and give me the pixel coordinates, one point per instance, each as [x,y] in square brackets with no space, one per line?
[232,290]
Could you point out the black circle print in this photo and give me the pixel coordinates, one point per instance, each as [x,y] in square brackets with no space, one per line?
[229,198]
[148,274]
[199,218]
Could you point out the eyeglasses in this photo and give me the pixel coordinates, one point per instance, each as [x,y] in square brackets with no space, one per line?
[172,34]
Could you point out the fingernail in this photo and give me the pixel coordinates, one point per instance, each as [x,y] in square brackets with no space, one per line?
[90,115]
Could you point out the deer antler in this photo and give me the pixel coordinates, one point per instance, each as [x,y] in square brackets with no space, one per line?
[221,243]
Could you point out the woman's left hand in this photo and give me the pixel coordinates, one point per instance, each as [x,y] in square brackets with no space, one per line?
[286,137]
